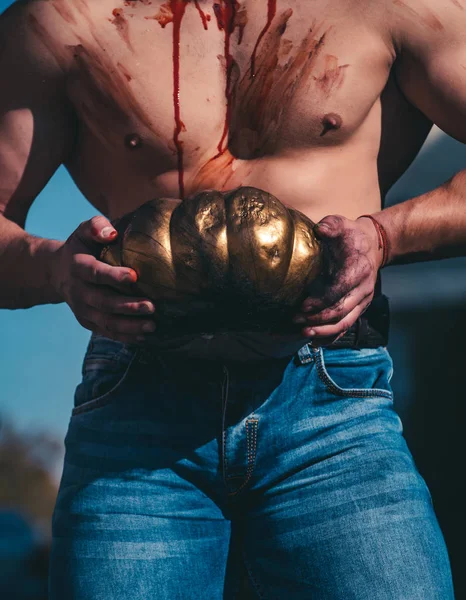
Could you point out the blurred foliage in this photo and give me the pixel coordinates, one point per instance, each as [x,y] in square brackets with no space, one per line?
[27,484]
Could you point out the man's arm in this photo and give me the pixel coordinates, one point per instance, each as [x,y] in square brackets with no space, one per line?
[36,133]
[431,72]
[430,38]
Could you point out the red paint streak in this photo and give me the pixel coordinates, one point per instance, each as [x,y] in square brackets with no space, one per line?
[218,12]
[430,19]
[178,8]
[434,22]
[333,75]
[121,25]
[202,14]
[215,174]
[125,71]
[271,11]
[225,13]
[164,16]
[173,11]
[241,21]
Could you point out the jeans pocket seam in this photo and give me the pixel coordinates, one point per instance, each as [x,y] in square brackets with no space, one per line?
[105,398]
[332,387]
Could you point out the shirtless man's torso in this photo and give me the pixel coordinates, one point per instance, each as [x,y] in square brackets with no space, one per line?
[323,104]
[163,99]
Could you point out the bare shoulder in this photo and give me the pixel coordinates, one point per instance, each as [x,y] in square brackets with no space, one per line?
[36,120]
[36,32]
[430,41]
[423,26]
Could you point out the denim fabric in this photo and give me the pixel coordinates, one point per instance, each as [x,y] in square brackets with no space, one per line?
[178,474]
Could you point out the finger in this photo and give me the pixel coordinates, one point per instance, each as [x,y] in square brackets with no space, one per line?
[342,287]
[89,269]
[105,300]
[112,324]
[335,328]
[339,311]
[330,292]
[97,230]
[328,340]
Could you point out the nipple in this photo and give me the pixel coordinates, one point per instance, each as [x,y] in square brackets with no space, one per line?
[133,140]
[330,121]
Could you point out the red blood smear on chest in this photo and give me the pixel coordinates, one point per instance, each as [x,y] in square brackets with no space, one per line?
[178,8]
[225,13]
[204,17]
[271,11]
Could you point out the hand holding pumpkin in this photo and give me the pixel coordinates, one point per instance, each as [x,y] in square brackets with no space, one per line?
[219,262]
[346,287]
[100,296]
[241,262]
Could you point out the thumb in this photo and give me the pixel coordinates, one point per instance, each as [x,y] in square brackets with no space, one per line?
[99,229]
[95,233]
[329,227]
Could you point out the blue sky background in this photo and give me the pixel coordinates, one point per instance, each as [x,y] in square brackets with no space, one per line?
[41,349]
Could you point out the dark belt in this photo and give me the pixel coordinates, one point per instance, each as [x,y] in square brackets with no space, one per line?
[370,330]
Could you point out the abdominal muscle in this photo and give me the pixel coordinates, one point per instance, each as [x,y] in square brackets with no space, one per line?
[317,183]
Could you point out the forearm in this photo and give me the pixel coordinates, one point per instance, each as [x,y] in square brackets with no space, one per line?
[26,268]
[429,227]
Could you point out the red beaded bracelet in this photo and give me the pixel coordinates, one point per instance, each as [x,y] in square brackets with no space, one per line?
[383,239]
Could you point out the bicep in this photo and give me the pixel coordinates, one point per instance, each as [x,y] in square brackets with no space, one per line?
[36,121]
[33,144]
[436,85]
[431,64]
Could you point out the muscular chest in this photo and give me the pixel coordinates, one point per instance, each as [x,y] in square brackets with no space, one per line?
[253,77]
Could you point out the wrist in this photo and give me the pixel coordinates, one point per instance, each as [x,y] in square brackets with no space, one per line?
[378,234]
[47,256]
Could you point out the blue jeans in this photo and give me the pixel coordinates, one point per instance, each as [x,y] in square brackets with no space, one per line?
[180,473]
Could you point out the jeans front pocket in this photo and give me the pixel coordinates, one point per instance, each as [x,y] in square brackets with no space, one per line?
[106,366]
[355,373]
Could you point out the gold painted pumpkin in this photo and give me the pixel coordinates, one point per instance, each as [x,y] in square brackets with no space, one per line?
[221,267]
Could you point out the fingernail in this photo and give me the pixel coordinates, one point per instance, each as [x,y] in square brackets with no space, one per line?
[148,327]
[299,320]
[108,232]
[310,332]
[146,308]
[129,278]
